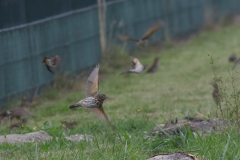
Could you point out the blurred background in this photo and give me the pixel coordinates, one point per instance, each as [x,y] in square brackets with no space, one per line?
[80,32]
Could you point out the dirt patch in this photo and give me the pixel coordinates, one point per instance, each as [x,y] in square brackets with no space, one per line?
[40,136]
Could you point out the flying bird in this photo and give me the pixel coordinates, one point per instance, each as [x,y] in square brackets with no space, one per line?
[154,67]
[93,99]
[238,61]
[55,61]
[141,42]
[136,67]
[216,94]
[232,58]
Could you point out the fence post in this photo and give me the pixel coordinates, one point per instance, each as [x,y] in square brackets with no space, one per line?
[102,8]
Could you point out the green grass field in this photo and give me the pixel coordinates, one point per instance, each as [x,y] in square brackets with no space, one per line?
[136,103]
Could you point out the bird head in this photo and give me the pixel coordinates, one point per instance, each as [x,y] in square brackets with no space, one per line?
[44,60]
[144,66]
[9,113]
[102,96]
[156,59]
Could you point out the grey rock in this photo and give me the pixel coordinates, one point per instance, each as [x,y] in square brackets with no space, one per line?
[78,138]
[40,136]
[219,124]
[173,156]
[202,126]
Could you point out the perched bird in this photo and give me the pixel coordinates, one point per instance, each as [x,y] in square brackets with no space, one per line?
[216,95]
[93,99]
[232,58]
[154,67]
[141,42]
[69,124]
[238,61]
[137,67]
[20,124]
[4,116]
[18,112]
[4,113]
[51,62]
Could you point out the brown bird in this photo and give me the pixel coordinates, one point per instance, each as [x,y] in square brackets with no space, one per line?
[18,112]
[141,42]
[20,124]
[93,99]
[232,58]
[51,62]
[216,95]
[4,116]
[137,67]
[4,113]
[69,124]
[154,67]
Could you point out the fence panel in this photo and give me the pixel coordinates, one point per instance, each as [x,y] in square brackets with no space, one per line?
[74,36]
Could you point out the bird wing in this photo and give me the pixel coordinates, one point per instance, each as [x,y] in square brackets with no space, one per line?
[56,61]
[125,71]
[126,38]
[92,86]
[133,67]
[100,113]
[152,30]
[238,61]
[49,69]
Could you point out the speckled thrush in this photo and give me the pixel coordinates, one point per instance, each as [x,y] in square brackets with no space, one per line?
[93,99]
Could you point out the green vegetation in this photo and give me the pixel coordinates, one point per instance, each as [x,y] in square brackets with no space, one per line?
[136,103]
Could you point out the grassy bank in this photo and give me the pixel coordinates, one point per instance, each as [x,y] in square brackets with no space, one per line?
[136,103]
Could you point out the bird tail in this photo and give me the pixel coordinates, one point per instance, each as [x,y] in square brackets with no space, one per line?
[49,69]
[74,106]
[123,73]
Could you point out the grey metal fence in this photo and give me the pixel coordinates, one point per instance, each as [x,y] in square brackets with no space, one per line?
[74,36]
